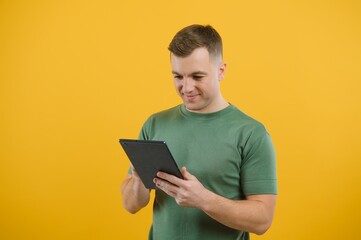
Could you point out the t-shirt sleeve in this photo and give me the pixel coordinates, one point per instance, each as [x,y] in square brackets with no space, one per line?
[258,167]
[146,130]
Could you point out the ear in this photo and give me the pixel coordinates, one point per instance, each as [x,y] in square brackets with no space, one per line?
[222,71]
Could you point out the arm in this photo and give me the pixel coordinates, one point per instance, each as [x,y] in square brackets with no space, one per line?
[135,194]
[254,214]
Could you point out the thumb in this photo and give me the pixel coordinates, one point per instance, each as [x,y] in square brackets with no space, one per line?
[186,174]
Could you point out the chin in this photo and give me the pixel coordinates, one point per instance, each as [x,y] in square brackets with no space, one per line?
[192,108]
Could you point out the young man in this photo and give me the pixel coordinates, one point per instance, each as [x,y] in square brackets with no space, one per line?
[229,187]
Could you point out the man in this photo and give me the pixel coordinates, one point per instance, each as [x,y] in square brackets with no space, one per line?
[229,187]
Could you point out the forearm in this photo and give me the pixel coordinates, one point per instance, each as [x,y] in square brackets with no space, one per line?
[254,214]
[249,215]
[135,195]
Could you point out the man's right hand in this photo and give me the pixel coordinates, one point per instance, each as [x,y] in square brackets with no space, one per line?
[135,194]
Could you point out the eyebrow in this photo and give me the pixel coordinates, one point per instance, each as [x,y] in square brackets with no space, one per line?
[193,73]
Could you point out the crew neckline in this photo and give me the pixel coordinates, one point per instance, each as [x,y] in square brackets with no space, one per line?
[205,116]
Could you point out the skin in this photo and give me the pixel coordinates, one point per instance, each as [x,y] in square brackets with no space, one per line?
[197,81]
[135,194]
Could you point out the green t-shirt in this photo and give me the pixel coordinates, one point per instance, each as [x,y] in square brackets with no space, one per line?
[230,153]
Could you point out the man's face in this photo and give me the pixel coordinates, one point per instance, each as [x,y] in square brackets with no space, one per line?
[196,78]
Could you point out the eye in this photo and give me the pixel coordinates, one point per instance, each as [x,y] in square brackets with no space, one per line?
[198,77]
[177,77]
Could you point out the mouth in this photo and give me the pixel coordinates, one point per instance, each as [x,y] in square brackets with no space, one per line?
[190,98]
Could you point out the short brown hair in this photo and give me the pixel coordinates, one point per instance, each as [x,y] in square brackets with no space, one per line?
[196,36]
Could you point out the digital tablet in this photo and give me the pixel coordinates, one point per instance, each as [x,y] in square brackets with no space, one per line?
[149,157]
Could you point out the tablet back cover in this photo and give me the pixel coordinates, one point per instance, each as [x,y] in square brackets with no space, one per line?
[149,157]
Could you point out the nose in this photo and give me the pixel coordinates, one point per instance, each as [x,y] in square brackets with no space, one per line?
[188,85]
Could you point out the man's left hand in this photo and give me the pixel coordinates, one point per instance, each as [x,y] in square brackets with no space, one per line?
[187,192]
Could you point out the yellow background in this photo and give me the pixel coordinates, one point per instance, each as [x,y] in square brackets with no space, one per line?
[78,75]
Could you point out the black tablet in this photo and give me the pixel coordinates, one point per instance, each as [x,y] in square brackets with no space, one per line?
[149,157]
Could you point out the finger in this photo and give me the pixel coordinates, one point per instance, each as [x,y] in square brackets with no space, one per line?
[186,174]
[170,178]
[134,172]
[132,167]
[165,186]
